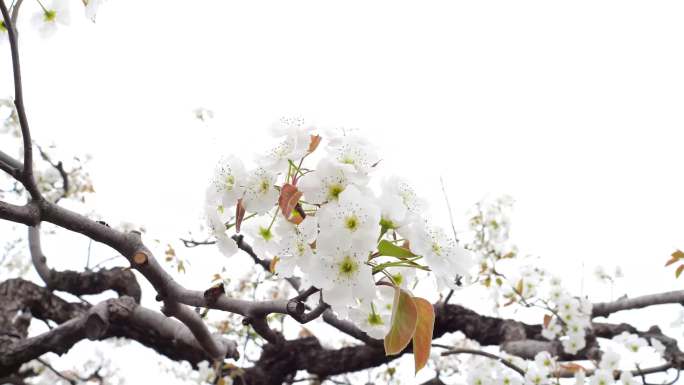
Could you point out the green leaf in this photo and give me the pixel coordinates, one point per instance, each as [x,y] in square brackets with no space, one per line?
[389,249]
[679,270]
[422,338]
[403,325]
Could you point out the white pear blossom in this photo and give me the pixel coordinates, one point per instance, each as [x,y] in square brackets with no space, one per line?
[354,152]
[552,329]
[399,203]
[344,278]
[610,360]
[3,36]
[601,377]
[658,346]
[260,193]
[263,233]
[374,317]
[91,8]
[626,378]
[216,219]
[49,16]
[534,376]
[630,341]
[295,246]
[351,223]
[574,344]
[580,377]
[227,184]
[402,276]
[441,252]
[545,363]
[325,184]
[294,138]
[509,378]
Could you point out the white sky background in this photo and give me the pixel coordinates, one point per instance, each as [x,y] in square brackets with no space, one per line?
[574,109]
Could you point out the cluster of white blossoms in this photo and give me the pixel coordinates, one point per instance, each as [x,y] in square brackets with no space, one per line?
[571,320]
[49,16]
[327,225]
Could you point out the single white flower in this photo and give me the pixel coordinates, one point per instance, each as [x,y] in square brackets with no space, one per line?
[3,36]
[552,330]
[574,344]
[227,183]
[354,152]
[658,346]
[402,276]
[535,377]
[294,136]
[91,8]
[265,240]
[295,246]
[399,203]
[509,378]
[216,218]
[325,184]
[631,341]
[580,377]
[47,19]
[344,278]
[443,255]
[478,376]
[626,378]
[610,360]
[601,377]
[544,362]
[260,193]
[353,223]
[374,317]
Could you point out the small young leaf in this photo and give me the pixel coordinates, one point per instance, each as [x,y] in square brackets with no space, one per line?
[547,319]
[288,200]
[679,270]
[389,249]
[403,325]
[315,141]
[272,265]
[239,215]
[422,338]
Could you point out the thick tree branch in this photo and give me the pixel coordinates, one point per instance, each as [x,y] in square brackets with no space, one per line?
[120,317]
[122,281]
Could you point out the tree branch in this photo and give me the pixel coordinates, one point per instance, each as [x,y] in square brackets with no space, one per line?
[28,179]
[120,317]
[122,281]
[604,309]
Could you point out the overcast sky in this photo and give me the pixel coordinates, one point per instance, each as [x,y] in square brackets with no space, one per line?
[573,108]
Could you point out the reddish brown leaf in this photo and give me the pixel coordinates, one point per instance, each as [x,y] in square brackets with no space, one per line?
[288,200]
[573,367]
[239,215]
[315,141]
[403,325]
[671,261]
[422,338]
[547,319]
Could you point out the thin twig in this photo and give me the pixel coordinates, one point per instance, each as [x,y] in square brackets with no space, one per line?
[504,361]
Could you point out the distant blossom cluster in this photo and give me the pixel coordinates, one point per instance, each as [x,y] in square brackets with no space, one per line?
[328,225]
